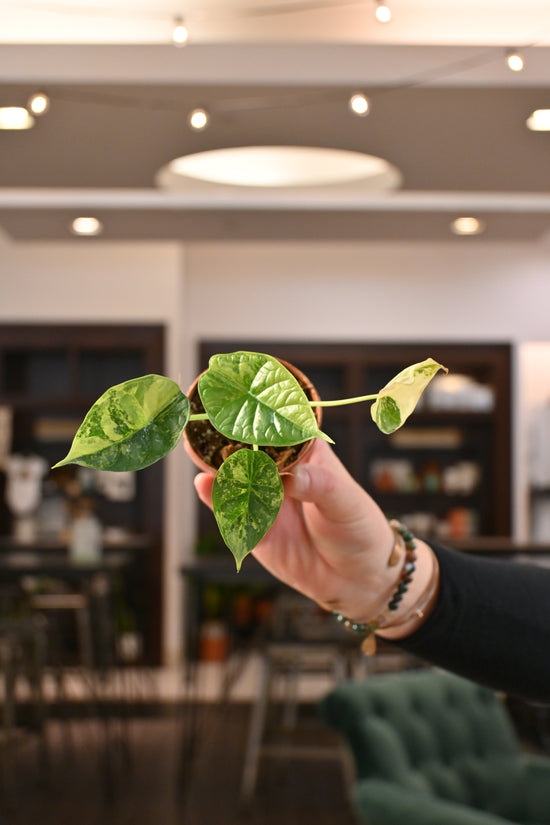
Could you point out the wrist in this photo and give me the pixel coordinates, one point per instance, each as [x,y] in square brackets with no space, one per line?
[413,596]
[367,588]
[421,597]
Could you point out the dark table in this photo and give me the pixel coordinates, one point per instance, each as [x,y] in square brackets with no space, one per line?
[130,542]
[92,580]
[58,564]
[206,571]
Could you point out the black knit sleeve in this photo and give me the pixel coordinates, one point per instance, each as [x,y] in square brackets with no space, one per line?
[491,624]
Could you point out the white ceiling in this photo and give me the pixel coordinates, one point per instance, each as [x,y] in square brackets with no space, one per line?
[446,111]
[484,22]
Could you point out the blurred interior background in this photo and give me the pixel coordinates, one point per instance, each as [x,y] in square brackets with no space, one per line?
[350,193]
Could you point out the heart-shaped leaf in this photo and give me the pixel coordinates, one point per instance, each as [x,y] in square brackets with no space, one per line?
[397,400]
[131,426]
[246,498]
[253,398]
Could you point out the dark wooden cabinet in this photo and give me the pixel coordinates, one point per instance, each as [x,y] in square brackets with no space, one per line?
[431,445]
[50,375]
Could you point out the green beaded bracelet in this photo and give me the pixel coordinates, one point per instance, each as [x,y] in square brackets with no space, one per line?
[404,535]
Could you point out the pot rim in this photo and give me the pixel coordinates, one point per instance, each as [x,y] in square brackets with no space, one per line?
[305,447]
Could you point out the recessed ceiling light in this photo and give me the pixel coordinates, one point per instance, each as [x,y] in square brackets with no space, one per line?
[279,167]
[539,120]
[515,61]
[39,103]
[15,117]
[467,226]
[198,119]
[86,226]
[359,104]
[383,12]
[180,33]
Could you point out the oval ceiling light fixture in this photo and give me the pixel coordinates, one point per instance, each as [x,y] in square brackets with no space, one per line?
[539,120]
[467,226]
[86,226]
[15,117]
[280,167]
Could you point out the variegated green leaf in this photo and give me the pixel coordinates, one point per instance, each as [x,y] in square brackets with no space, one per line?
[246,498]
[131,426]
[252,398]
[397,400]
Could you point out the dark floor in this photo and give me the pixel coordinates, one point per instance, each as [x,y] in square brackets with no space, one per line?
[157,783]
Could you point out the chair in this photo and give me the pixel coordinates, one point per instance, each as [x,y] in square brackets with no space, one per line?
[301,641]
[85,610]
[94,666]
[22,654]
[430,748]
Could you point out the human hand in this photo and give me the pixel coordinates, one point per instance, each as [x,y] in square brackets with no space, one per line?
[330,541]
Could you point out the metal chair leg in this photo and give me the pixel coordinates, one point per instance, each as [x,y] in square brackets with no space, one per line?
[37,664]
[255,733]
[8,719]
[22,648]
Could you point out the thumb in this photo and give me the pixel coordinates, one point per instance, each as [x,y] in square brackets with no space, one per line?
[334,492]
[203,485]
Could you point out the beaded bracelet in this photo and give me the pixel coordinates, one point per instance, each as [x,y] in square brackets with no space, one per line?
[404,538]
[419,607]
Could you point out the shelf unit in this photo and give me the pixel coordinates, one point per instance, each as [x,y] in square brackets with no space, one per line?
[49,378]
[439,439]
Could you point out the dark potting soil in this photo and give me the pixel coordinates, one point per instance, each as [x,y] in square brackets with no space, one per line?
[214,447]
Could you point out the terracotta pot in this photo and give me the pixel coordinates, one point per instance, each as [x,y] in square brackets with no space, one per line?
[208,448]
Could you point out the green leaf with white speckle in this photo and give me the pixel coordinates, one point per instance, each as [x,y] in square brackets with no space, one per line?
[252,398]
[246,498]
[397,400]
[131,426]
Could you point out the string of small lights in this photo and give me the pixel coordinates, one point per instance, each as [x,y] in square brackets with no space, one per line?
[358,102]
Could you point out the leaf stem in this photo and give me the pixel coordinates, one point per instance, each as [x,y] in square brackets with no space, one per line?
[198,417]
[341,401]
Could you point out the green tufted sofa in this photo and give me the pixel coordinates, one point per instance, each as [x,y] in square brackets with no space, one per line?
[431,748]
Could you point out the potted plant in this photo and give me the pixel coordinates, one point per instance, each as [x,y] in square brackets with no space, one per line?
[256,404]
[209,448]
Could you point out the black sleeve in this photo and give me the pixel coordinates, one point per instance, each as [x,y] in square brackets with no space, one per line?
[491,624]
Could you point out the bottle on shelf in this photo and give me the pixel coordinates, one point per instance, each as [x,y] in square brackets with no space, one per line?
[85,544]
